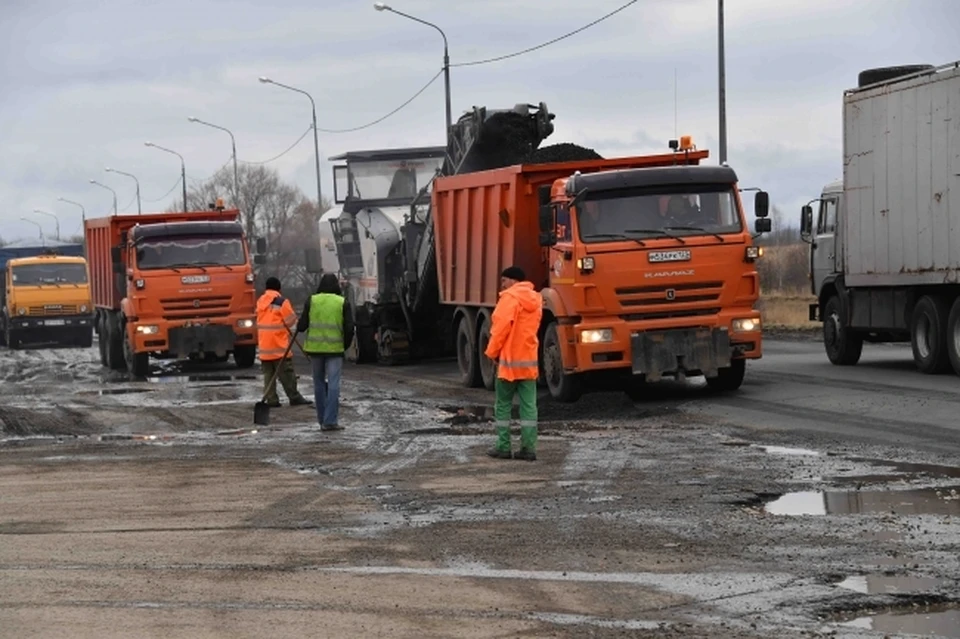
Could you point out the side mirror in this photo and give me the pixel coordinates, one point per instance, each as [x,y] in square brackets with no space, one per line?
[763,225]
[259,259]
[806,220]
[761,204]
[312,260]
[261,245]
[116,257]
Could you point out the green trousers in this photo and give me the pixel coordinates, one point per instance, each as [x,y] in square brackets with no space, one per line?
[526,392]
[287,377]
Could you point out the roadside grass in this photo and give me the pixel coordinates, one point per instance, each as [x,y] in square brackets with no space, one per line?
[784,309]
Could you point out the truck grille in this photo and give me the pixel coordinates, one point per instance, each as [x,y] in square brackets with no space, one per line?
[664,302]
[53,309]
[202,307]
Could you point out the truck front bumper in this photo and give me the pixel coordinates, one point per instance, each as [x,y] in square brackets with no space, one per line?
[34,323]
[693,350]
[181,339]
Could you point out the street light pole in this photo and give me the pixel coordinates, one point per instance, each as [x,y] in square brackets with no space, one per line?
[723,85]
[109,189]
[36,224]
[108,169]
[83,211]
[379,6]
[316,144]
[55,219]
[183,170]
[233,145]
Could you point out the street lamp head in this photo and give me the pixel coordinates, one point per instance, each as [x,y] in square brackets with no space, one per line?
[192,119]
[148,144]
[264,79]
[93,181]
[379,6]
[107,168]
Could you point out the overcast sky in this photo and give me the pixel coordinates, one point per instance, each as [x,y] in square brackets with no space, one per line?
[85,83]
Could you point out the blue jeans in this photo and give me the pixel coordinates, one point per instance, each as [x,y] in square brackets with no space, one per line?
[326,387]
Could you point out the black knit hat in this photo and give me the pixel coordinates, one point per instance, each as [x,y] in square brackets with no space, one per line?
[273,284]
[514,273]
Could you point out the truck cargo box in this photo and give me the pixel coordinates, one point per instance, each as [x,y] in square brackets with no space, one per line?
[488,220]
[102,234]
[901,151]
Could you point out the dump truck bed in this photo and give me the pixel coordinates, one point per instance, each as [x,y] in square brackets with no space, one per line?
[488,220]
[901,151]
[102,234]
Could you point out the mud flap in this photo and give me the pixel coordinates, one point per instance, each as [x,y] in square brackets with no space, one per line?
[658,353]
[185,340]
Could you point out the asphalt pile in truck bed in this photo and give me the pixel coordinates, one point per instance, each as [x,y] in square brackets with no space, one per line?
[506,139]
[562,152]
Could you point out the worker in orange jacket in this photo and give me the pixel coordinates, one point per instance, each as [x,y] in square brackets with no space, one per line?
[275,321]
[513,345]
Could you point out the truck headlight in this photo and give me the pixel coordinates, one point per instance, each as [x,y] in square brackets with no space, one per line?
[21,311]
[245,323]
[83,308]
[745,325]
[249,278]
[753,253]
[148,329]
[140,284]
[585,264]
[596,336]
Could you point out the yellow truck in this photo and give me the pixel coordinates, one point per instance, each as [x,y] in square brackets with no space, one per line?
[46,299]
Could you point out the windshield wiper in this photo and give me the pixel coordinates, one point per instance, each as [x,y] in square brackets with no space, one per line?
[660,231]
[696,228]
[611,236]
[184,265]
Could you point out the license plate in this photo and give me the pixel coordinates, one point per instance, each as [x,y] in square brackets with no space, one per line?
[195,279]
[55,322]
[657,257]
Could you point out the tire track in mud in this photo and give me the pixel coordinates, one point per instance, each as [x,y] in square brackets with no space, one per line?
[850,384]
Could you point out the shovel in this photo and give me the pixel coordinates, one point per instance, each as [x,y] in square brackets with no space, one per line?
[261,410]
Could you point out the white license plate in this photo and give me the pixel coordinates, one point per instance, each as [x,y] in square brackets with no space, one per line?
[195,279]
[54,322]
[668,256]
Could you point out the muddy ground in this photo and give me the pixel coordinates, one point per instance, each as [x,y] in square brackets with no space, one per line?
[817,501]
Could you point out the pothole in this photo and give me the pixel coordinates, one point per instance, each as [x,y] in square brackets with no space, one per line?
[941,620]
[923,501]
[890,584]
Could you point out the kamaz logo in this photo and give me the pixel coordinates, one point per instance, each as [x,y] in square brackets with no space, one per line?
[669,273]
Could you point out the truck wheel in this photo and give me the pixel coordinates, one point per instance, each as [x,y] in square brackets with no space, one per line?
[115,358]
[881,74]
[468,354]
[563,387]
[953,336]
[729,379]
[85,338]
[928,335]
[12,339]
[842,344]
[245,356]
[102,342]
[138,364]
[488,370]
[3,331]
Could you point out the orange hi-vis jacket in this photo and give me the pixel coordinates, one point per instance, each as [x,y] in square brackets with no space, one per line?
[275,319]
[513,334]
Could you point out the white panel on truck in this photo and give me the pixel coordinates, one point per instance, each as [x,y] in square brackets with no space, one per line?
[901,151]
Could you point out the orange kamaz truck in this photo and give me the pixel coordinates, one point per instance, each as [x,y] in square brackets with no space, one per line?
[172,286]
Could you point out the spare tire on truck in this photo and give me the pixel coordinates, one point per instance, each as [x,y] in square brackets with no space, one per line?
[881,74]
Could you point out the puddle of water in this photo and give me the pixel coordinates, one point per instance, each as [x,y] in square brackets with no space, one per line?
[784,450]
[179,379]
[114,391]
[913,469]
[925,501]
[940,621]
[890,584]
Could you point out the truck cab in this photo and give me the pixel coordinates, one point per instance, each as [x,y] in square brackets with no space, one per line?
[652,274]
[46,298]
[821,230]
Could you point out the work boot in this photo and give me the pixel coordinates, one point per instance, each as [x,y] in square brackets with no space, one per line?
[528,444]
[502,449]
[300,401]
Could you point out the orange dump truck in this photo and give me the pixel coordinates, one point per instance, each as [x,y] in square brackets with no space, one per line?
[171,285]
[646,267]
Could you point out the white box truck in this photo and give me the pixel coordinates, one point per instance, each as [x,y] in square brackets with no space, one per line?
[885,240]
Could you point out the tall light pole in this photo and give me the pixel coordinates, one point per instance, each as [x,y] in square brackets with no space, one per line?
[83,211]
[233,145]
[55,219]
[109,170]
[36,224]
[379,6]
[183,170]
[316,144]
[723,85]
[109,189]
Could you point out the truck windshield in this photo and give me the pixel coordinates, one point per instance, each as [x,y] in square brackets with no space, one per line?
[171,252]
[389,179]
[40,274]
[641,213]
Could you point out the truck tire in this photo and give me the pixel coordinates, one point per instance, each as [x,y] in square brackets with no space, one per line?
[468,355]
[488,369]
[245,356]
[563,387]
[138,364]
[882,74]
[729,379]
[12,338]
[953,336]
[102,341]
[842,344]
[115,358]
[928,335]
[84,338]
